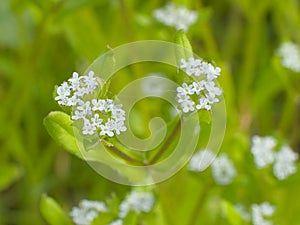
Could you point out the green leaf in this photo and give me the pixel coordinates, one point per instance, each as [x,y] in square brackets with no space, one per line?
[184,50]
[59,126]
[52,212]
[113,204]
[103,219]
[131,218]
[234,218]
[8,174]
[156,216]
[104,88]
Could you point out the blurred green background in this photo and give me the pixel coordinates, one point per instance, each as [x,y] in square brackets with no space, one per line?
[43,42]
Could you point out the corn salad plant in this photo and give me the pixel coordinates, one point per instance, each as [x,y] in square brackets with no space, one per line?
[80,140]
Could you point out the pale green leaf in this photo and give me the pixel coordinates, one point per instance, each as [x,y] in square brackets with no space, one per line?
[59,127]
[184,49]
[232,215]
[52,212]
[8,174]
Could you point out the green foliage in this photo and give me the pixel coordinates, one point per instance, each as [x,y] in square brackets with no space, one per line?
[9,174]
[185,50]
[234,218]
[43,42]
[52,212]
[59,126]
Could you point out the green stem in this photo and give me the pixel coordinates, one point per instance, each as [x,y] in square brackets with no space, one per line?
[295,133]
[288,112]
[122,155]
[199,205]
[166,144]
[127,21]
[132,160]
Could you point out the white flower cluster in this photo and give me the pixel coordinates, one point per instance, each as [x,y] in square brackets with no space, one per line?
[223,170]
[70,93]
[290,56]
[100,116]
[135,201]
[199,94]
[201,160]
[285,163]
[263,150]
[138,202]
[87,212]
[259,213]
[176,16]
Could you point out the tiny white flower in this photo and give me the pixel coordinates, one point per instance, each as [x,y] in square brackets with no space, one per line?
[285,163]
[263,150]
[63,93]
[212,89]
[99,105]
[90,82]
[82,216]
[203,103]
[188,106]
[81,91]
[88,204]
[64,89]
[118,113]
[74,100]
[181,97]
[85,108]
[119,127]
[138,202]
[210,71]
[260,212]
[201,160]
[78,115]
[75,81]
[88,128]
[290,56]
[108,128]
[198,86]
[87,212]
[96,120]
[176,16]
[192,66]
[223,170]
[109,105]
[197,67]
[185,89]
[211,99]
